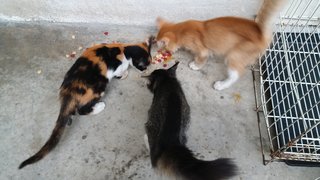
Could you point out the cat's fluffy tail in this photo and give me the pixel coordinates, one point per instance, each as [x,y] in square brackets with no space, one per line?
[64,117]
[179,161]
[267,14]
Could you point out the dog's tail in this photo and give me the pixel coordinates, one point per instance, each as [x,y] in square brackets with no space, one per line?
[67,108]
[179,161]
[268,13]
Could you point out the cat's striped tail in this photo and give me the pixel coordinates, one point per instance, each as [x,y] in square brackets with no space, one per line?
[179,161]
[67,108]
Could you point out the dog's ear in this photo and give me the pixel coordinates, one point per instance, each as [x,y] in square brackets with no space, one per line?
[160,22]
[166,39]
[163,42]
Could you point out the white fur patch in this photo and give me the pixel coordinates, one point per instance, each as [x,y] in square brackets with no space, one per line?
[145,137]
[233,76]
[98,108]
[193,66]
[110,74]
[120,70]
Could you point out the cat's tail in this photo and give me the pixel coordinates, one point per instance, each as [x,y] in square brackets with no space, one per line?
[67,108]
[268,13]
[179,161]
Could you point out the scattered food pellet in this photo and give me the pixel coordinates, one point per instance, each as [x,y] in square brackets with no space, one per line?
[67,55]
[237,97]
[80,48]
[165,65]
[106,33]
[162,56]
[39,71]
[73,36]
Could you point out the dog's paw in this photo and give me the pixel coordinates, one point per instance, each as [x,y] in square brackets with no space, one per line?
[219,85]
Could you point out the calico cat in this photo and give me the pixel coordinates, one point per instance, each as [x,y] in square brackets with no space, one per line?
[238,40]
[86,81]
[166,128]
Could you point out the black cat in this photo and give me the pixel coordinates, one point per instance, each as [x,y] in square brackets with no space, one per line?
[166,139]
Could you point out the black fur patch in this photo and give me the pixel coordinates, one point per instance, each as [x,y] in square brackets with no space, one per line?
[86,72]
[88,108]
[166,127]
[81,91]
[109,56]
[139,56]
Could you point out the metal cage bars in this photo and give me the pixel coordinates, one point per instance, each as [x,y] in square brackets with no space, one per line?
[290,84]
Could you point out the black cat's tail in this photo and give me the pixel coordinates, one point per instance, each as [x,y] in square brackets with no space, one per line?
[67,108]
[179,161]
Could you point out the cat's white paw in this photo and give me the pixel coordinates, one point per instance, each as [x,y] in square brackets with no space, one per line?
[219,85]
[193,66]
[145,137]
[98,108]
[124,74]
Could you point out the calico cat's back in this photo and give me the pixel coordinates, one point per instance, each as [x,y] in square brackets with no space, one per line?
[85,82]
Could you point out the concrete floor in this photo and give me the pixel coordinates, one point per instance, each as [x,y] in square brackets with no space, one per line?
[110,145]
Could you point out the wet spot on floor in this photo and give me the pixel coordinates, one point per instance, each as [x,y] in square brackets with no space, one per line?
[84,136]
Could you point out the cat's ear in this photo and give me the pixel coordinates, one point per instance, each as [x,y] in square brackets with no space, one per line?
[148,43]
[172,70]
[160,22]
[166,39]
[114,51]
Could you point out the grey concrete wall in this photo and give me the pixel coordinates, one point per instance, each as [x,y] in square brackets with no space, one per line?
[137,12]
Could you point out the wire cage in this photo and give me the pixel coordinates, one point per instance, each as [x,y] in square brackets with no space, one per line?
[287,85]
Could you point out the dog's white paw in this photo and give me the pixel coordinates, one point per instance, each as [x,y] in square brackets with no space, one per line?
[193,66]
[98,108]
[219,85]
